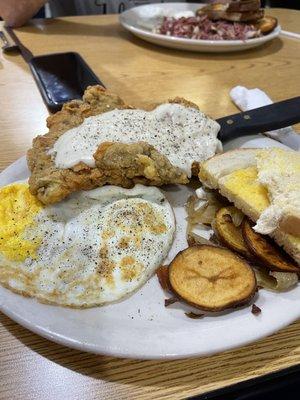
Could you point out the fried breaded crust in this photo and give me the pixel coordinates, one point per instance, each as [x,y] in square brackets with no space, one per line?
[116,163]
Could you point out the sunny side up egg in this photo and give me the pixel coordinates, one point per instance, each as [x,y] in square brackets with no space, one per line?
[93,248]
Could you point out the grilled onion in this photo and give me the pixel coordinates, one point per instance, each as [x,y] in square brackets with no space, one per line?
[274,280]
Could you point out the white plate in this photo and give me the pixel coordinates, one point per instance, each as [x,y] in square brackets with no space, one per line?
[140,326]
[140,21]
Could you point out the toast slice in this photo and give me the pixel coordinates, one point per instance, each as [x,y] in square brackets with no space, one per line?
[257,182]
[243,5]
[221,165]
[237,12]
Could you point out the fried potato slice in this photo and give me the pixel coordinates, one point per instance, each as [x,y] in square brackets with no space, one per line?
[163,277]
[266,251]
[211,278]
[227,231]
[266,24]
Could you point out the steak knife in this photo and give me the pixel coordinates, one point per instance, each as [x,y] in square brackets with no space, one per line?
[263,119]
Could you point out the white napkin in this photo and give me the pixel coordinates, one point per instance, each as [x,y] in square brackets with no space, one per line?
[247,99]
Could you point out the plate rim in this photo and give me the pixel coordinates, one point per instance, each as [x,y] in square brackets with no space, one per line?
[252,336]
[114,352]
[193,42]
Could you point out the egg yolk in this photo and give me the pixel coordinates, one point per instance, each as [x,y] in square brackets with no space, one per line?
[18,208]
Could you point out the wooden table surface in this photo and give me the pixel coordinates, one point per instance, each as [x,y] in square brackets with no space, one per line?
[34,368]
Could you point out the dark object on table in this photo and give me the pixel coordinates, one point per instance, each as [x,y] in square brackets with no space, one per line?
[294,4]
[62,77]
[279,385]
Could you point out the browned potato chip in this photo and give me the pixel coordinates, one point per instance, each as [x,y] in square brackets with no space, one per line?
[163,277]
[228,233]
[211,278]
[266,251]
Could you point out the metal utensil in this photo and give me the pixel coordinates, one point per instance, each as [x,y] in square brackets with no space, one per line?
[7,47]
[26,54]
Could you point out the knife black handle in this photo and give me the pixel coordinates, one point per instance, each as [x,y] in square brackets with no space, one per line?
[262,119]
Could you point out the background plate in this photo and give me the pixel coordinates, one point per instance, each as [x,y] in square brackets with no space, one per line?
[140,326]
[140,21]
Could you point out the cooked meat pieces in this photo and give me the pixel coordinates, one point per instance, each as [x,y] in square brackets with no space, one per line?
[116,163]
[160,147]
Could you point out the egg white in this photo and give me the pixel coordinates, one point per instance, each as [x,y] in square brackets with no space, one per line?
[97,247]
